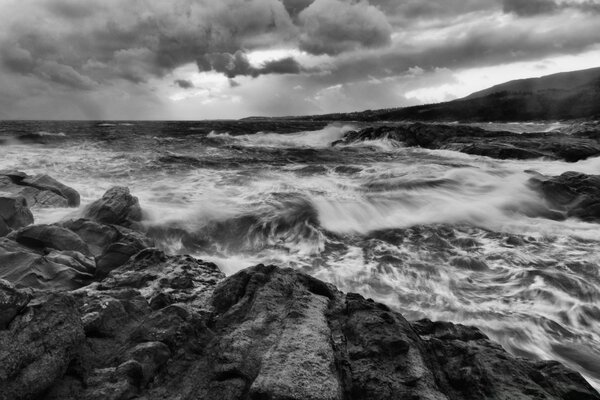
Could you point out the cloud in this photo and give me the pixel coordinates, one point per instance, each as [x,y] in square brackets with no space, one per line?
[184,83]
[232,65]
[335,26]
[530,7]
[112,57]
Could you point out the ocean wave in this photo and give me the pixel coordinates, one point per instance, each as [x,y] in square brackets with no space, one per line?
[308,139]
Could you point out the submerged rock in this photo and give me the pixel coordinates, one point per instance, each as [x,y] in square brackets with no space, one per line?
[574,193]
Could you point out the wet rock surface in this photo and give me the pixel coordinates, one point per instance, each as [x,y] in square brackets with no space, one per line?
[117,206]
[14,213]
[40,190]
[575,194]
[496,144]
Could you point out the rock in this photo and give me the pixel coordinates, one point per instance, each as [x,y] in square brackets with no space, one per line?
[12,301]
[117,206]
[38,347]
[45,182]
[477,141]
[14,214]
[271,333]
[575,193]
[158,273]
[151,356]
[97,236]
[130,348]
[57,270]
[39,191]
[117,253]
[51,236]
[469,366]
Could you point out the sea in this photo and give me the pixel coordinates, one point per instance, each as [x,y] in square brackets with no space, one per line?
[432,233]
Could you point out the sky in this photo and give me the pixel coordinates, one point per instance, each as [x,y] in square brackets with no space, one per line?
[212,59]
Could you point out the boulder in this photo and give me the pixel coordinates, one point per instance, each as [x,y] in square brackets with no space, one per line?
[97,236]
[117,206]
[12,301]
[47,183]
[117,253]
[14,213]
[51,236]
[33,268]
[38,347]
[574,193]
[40,191]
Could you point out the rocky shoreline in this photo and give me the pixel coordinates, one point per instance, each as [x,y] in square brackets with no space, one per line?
[575,146]
[90,309]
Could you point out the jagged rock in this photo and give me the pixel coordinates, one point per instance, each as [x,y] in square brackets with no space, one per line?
[14,214]
[40,191]
[129,345]
[38,347]
[12,301]
[183,278]
[51,236]
[576,194]
[117,206]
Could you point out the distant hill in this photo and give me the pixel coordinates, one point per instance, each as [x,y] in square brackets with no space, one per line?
[566,95]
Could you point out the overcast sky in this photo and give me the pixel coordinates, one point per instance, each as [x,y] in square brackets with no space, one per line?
[200,59]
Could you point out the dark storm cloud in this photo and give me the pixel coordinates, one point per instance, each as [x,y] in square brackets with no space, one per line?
[237,64]
[294,7]
[335,26]
[184,83]
[61,49]
[530,7]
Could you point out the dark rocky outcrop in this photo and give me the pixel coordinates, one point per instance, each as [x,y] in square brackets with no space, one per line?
[171,327]
[138,323]
[38,347]
[12,301]
[51,236]
[575,194]
[39,190]
[477,141]
[117,206]
[44,269]
[14,214]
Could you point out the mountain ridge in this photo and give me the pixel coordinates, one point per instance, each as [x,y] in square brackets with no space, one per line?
[561,96]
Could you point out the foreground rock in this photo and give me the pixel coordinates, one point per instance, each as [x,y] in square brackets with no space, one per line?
[14,214]
[171,327]
[68,255]
[497,144]
[38,346]
[39,190]
[575,194]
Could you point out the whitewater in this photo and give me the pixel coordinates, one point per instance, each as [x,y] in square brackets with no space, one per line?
[433,233]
